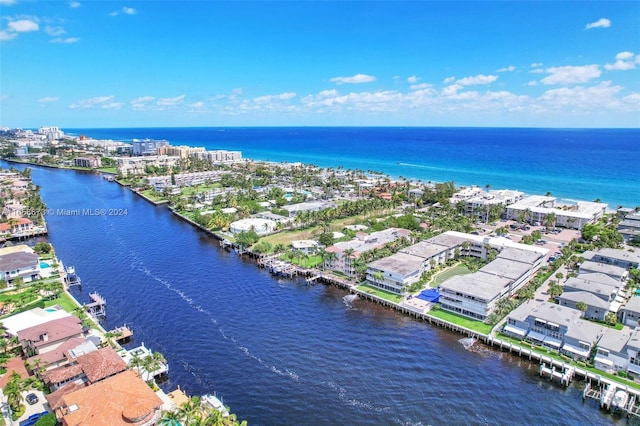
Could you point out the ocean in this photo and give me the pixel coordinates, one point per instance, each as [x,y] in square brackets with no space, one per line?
[572,164]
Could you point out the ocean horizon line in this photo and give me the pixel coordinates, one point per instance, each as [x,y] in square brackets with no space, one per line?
[342,127]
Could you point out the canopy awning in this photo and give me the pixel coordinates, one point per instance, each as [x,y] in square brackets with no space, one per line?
[604,361]
[514,330]
[575,350]
[536,336]
[552,342]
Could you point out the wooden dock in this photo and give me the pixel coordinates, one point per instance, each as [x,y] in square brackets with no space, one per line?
[71,279]
[122,334]
[97,308]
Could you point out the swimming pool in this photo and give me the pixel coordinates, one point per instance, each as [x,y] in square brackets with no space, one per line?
[44,265]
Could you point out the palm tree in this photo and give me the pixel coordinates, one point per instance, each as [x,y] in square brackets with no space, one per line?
[581,306]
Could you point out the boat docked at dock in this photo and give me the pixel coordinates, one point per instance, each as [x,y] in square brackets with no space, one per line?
[212,401]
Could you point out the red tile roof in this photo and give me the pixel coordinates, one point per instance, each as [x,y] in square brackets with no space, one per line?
[123,399]
[101,364]
[14,364]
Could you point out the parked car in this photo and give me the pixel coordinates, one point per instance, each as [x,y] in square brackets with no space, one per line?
[31,398]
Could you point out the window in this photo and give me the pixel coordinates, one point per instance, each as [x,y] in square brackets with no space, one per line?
[603,352]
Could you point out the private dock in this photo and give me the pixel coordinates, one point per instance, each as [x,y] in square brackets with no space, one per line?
[122,334]
[97,308]
[613,397]
[565,374]
[71,278]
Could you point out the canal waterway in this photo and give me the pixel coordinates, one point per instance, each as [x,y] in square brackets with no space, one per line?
[280,352]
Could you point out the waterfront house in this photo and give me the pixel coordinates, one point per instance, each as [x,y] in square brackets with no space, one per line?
[88,162]
[36,316]
[630,313]
[87,368]
[305,246]
[544,323]
[612,354]
[309,206]
[50,335]
[19,261]
[123,399]
[61,355]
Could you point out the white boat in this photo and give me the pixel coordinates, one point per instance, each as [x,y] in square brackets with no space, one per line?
[619,400]
[213,402]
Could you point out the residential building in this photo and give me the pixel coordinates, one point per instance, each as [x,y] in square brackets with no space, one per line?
[123,399]
[630,313]
[629,227]
[179,151]
[147,146]
[219,156]
[136,165]
[90,162]
[536,208]
[49,336]
[309,206]
[362,243]
[623,258]
[19,261]
[612,354]
[616,272]
[556,327]
[87,368]
[51,133]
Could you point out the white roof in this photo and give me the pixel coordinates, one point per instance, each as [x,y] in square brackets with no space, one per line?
[31,318]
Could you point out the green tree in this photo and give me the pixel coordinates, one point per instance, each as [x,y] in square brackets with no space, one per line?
[611,318]
[581,306]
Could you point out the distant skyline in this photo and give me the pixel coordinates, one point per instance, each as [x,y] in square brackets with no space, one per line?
[301,63]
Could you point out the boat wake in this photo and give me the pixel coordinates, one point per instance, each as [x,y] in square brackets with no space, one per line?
[467,342]
[349,299]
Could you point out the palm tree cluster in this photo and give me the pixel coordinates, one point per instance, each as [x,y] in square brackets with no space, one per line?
[195,413]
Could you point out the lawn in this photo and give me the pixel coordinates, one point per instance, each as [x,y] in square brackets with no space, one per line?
[478,326]
[448,273]
[310,262]
[288,236]
[113,170]
[380,293]
[192,190]
[64,301]
[153,195]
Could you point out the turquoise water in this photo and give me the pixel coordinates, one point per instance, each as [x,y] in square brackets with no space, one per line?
[44,265]
[572,164]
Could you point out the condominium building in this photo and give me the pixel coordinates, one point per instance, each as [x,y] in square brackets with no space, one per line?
[537,208]
[136,165]
[147,146]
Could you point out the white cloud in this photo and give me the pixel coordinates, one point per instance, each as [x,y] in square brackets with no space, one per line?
[171,102]
[271,98]
[413,79]
[68,40]
[197,105]
[478,79]
[358,78]
[451,90]
[7,35]
[129,10]
[23,25]
[420,86]
[114,13]
[532,83]
[537,71]
[571,74]
[48,99]
[536,64]
[7,2]
[103,102]
[74,4]
[600,23]
[600,96]
[141,103]
[507,69]
[54,31]
[449,80]
[624,61]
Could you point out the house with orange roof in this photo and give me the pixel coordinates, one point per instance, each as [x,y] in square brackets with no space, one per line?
[123,399]
[87,368]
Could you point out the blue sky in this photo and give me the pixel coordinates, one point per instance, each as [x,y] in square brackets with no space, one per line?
[210,63]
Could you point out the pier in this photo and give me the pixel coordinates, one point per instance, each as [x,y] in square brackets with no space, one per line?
[97,308]
[122,334]
[71,278]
